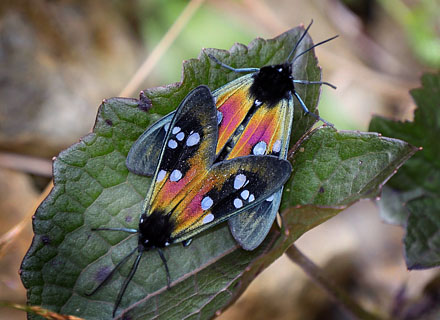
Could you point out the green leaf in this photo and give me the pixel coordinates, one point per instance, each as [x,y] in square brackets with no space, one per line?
[334,168]
[392,204]
[423,170]
[422,239]
[93,188]
[206,291]
[420,176]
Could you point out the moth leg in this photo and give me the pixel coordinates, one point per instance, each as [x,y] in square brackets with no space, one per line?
[166,267]
[238,70]
[303,105]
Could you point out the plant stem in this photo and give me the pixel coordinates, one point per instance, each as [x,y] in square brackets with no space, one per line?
[166,41]
[338,295]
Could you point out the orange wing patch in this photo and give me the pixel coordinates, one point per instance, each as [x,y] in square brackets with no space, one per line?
[264,133]
[234,106]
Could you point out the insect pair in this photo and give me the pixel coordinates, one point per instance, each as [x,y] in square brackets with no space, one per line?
[219,156]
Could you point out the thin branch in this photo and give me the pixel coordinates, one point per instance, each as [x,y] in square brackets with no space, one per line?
[37,310]
[314,272]
[28,164]
[161,48]
[7,238]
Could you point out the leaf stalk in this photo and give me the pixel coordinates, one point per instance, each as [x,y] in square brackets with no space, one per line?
[355,310]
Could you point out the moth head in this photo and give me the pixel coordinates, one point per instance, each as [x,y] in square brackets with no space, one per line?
[155,230]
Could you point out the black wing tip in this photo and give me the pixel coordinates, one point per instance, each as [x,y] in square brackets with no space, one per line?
[285,167]
[283,164]
[201,90]
[202,94]
[286,164]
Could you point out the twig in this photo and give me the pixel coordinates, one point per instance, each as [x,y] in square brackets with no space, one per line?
[7,238]
[312,270]
[29,164]
[36,310]
[161,47]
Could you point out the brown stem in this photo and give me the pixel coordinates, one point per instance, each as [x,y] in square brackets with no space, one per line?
[166,41]
[312,270]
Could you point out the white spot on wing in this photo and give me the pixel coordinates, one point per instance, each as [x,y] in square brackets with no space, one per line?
[258,103]
[238,203]
[276,146]
[175,175]
[180,136]
[219,117]
[161,175]
[172,144]
[208,218]
[260,148]
[206,203]
[245,194]
[176,130]
[251,198]
[239,181]
[193,139]
[270,198]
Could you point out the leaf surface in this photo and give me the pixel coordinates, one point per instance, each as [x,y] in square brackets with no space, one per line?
[93,188]
[414,192]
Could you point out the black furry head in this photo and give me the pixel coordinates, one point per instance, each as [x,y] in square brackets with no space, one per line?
[272,83]
[155,230]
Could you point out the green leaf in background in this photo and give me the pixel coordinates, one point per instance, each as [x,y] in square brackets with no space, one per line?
[93,188]
[422,240]
[392,204]
[420,176]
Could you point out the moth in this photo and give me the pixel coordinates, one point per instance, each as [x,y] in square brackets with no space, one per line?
[254,117]
[190,192]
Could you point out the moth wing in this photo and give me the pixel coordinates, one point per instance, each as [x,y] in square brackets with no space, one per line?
[188,151]
[233,105]
[251,227]
[144,154]
[229,188]
[269,127]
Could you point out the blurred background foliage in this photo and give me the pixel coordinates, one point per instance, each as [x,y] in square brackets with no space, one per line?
[60,58]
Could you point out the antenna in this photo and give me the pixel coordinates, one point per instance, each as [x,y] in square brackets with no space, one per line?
[299,40]
[315,45]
